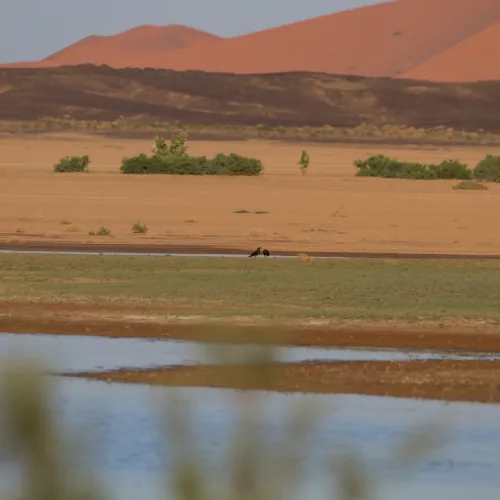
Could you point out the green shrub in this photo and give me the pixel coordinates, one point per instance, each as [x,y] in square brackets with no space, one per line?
[73,164]
[138,227]
[452,169]
[470,186]
[304,161]
[488,169]
[192,165]
[234,164]
[382,166]
[186,165]
[174,159]
[177,146]
[102,231]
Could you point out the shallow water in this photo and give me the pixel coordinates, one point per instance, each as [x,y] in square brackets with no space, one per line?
[78,353]
[121,423]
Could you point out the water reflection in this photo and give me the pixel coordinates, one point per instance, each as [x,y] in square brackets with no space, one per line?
[77,353]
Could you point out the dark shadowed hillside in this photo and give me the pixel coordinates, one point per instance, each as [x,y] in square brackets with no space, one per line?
[289,99]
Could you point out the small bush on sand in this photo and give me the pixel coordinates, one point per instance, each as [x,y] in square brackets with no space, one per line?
[233,164]
[382,166]
[488,169]
[138,227]
[470,186]
[187,165]
[73,164]
[102,231]
[304,161]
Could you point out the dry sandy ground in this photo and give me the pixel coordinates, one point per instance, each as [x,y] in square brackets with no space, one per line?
[328,209]
[447,380]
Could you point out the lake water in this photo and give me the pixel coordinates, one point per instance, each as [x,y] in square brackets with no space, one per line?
[121,422]
[76,353]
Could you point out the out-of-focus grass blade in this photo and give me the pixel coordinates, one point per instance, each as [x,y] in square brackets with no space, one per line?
[187,478]
[417,446]
[353,481]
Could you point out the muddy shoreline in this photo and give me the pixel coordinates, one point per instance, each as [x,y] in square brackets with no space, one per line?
[133,321]
[471,381]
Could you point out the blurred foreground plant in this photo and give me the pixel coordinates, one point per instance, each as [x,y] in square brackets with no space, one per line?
[31,435]
[255,469]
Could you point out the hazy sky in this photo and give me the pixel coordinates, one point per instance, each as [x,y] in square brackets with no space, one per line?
[33,29]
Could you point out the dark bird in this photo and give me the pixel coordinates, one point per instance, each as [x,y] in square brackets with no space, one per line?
[255,252]
[265,252]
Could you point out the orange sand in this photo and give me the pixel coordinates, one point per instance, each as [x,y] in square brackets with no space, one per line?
[328,209]
[137,42]
[473,59]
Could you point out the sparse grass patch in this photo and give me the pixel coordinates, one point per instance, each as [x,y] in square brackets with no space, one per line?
[139,227]
[364,132]
[257,212]
[102,231]
[470,186]
[73,229]
[347,288]
[65,222]
[255,234]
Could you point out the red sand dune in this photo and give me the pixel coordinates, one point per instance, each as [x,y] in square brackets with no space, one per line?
[475,58]
[136,42]
[380,40]
[387,39]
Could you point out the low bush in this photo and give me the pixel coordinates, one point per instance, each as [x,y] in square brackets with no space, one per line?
[383,166]
[192,165]
[138,227]
[452,169]
[488,169]
[389,168]
[470,186]
[102,231]
[185,165]
[234,164]
[73,164]
[174,160]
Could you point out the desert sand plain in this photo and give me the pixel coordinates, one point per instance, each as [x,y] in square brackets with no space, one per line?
[326,210]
